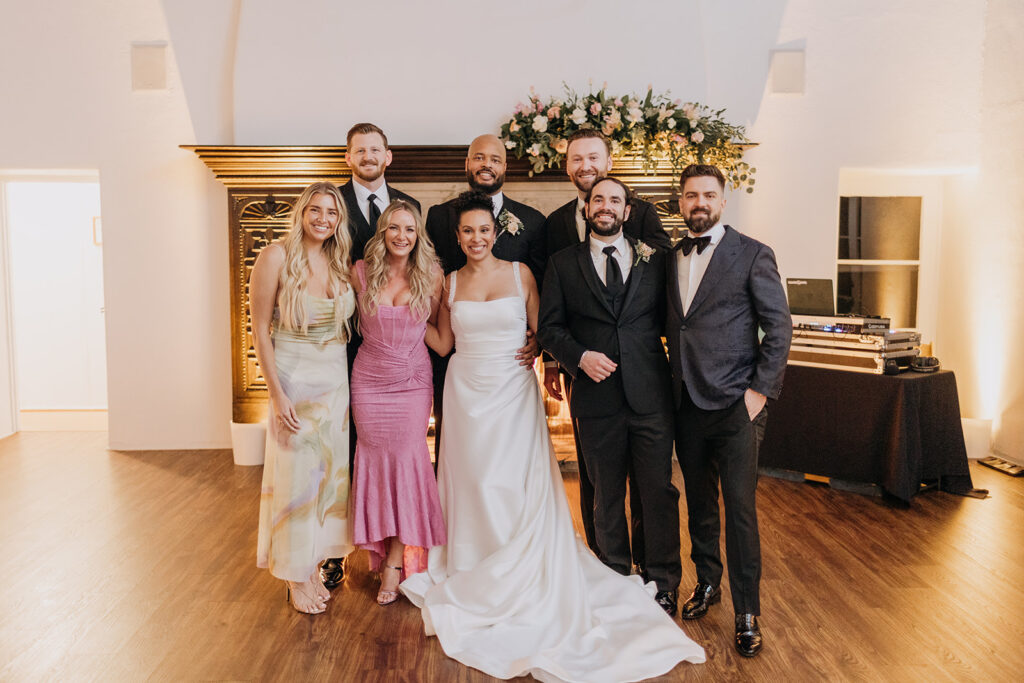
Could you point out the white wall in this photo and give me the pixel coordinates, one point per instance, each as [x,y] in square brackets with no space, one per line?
[890,85]
[68,104]
[983,292]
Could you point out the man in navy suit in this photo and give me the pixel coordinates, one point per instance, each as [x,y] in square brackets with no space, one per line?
[723,287]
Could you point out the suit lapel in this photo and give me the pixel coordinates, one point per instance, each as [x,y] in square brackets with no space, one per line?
[569,224]
[586,264]
[673,282]
[356,218]
[636,273]
[722,258]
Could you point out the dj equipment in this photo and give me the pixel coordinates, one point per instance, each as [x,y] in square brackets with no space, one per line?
[841,323]
[873,351]
[925,364]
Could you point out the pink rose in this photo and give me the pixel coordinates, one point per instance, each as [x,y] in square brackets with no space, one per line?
[697,137]
[618,102]
[540,107]
[595,108]
[554,112]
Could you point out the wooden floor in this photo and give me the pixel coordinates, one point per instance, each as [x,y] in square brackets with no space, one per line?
[141,566]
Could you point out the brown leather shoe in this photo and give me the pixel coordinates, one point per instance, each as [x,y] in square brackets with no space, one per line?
[704,595]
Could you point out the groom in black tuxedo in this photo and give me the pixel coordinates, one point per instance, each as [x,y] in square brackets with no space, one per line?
[722,287]
[588,158]
[520,237]
[601,317]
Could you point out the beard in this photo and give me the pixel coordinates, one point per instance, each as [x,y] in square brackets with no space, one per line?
[612,229]
[583,184]
[486,187]
[699,221]
[368,172]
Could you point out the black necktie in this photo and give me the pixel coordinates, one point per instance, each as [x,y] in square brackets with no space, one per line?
[688,243]
[374,211]
[612,274]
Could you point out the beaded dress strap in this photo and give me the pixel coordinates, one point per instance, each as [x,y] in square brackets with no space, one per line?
[519,283]
[451,293]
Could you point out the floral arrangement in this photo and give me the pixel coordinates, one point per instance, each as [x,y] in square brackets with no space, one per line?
[653,128]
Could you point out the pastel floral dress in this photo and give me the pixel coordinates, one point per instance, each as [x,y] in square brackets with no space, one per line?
[304,501]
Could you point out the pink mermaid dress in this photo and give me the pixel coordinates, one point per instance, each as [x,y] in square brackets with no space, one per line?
[394,491]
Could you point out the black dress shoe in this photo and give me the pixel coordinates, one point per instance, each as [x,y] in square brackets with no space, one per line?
[332,572]
[704,595]
[667,600]
[748,635]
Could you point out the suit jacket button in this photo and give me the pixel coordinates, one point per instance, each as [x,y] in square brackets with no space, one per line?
[682,327]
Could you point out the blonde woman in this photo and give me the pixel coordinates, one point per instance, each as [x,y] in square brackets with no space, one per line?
[396,510]
[301,300]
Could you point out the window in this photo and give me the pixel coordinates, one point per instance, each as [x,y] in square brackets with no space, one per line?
[878,259]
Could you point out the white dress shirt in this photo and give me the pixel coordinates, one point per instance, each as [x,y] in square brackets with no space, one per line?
[581,222]
[499,201]
[692,268]
[363,199]
[623,255]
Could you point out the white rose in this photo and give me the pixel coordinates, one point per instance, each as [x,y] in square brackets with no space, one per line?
[509,144]
[579,116]
[697,137]
[671,123]
[635,114]
[534,149]
[540,123]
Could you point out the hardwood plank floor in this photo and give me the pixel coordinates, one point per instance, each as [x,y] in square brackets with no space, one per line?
[141,566]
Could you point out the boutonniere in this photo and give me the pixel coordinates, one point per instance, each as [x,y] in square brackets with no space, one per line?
[643,253]
[508,222]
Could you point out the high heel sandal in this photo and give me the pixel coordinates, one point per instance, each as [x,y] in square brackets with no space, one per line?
[297,608]
[387,597]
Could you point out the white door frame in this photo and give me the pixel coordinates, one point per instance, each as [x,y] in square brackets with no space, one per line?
[6,304]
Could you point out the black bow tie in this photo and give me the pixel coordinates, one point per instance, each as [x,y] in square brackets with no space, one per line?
[688,243]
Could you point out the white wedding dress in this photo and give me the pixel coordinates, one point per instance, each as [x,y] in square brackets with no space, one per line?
[515,591]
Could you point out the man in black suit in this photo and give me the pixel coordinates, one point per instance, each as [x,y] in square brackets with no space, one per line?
[520,238]
[722,287]
[601,316]
[588,158]
[367,194]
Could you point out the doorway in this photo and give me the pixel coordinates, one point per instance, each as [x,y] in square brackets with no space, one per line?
[54,240]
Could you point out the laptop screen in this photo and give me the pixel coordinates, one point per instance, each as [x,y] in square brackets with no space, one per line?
[809,296]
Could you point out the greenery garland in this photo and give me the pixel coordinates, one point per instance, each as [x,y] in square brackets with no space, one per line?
[653,127]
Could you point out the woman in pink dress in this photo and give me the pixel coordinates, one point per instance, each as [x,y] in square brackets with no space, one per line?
[396,511]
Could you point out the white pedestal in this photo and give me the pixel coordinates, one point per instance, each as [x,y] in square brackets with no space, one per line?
[248,442]
[977,437]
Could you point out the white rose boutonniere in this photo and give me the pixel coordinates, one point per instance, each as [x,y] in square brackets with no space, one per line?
[643,253]
[510,223]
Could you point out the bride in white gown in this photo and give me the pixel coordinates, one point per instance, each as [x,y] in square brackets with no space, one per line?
[515,592]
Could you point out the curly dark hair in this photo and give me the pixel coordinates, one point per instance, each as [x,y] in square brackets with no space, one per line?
[472,200]
[630,195]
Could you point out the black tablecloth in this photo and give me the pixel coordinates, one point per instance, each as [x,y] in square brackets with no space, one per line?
[895,431]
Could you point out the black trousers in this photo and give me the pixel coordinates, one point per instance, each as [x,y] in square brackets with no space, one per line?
[439,366]
[611,446]
[587,498]
[720,447]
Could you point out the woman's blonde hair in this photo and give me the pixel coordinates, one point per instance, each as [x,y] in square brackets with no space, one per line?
[295,273]
[421,272]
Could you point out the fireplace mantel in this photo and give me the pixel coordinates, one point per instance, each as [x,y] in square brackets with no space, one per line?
[263,183]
